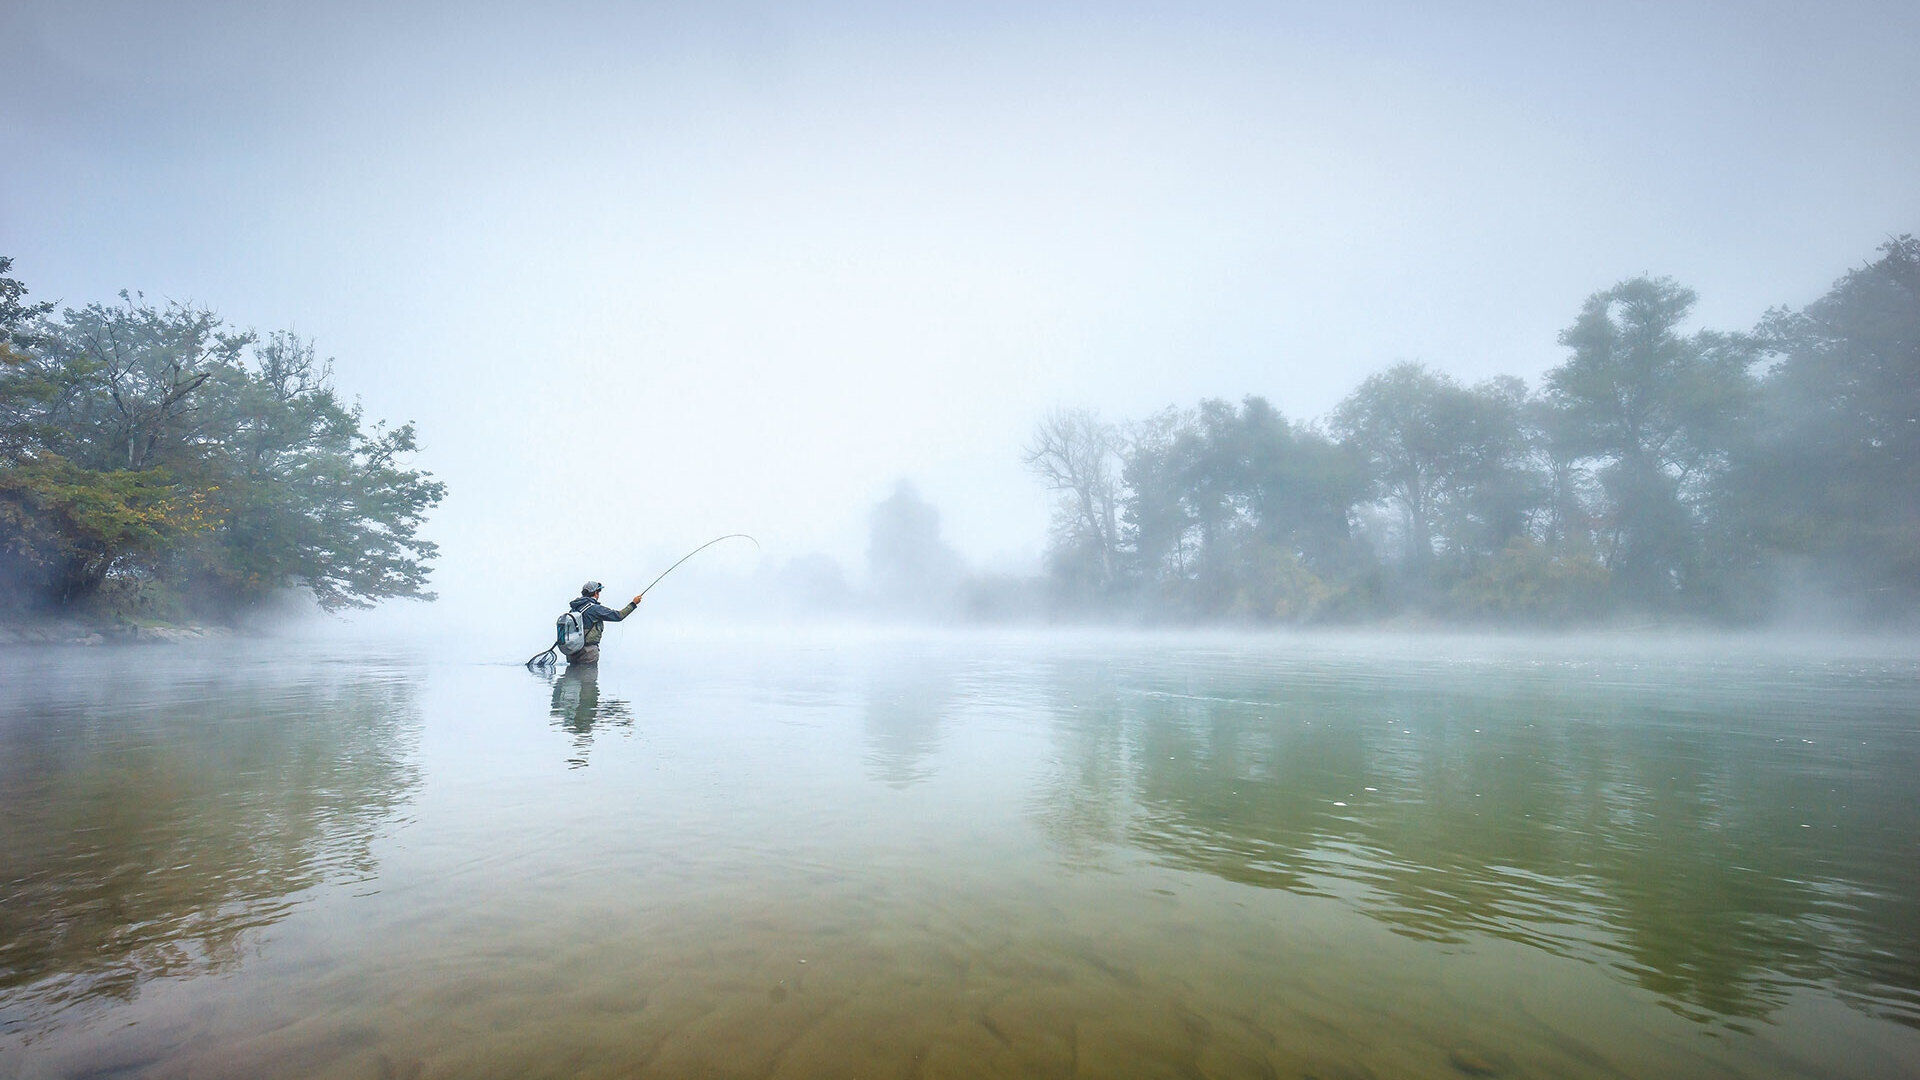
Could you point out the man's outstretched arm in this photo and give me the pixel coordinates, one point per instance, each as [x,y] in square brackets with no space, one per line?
[607,614]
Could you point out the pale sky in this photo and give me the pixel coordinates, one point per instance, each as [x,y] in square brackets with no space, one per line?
[646,274]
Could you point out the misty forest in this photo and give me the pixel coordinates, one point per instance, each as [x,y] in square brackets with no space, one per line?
[1656,472]
[161,464]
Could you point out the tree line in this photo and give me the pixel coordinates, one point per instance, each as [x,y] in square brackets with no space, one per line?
[157,463]
[1654,472]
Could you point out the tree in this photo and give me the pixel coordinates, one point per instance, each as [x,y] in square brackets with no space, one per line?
[129,376]
[23,385]
[308,494]
[1075,453]
[1154,515]
[154,443]
[1833,473]
[1300,488]
[1399,420]
[1235,511]
[911,566]
[1655,410]
[1568,501]
[1495,485]
[17,316]
[64,529]
[1451,460]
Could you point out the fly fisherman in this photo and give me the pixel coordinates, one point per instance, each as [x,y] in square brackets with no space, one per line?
[576,633]
[595,615]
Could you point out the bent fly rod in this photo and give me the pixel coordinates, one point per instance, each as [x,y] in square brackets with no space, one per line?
[544,658]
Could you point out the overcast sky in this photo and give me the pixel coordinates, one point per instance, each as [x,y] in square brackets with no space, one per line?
[645,274]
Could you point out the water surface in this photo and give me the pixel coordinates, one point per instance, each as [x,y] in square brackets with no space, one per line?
[964,855]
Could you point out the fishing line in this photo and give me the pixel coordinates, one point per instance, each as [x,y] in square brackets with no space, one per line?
[696,551]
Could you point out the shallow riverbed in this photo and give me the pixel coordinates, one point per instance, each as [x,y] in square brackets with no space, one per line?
[966,855]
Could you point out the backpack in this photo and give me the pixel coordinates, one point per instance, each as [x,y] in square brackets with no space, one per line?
[570,632]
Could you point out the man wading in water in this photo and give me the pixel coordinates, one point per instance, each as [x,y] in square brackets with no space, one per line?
[595,615]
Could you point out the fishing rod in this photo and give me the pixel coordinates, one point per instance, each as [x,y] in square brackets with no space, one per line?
[696,551]
[544,658]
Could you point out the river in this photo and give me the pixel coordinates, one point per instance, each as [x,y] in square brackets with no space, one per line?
[970,854]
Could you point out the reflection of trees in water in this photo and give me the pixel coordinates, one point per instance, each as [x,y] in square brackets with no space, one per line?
[907,700]
[145,839]
[1713,857]
[1086,805]
[578,708]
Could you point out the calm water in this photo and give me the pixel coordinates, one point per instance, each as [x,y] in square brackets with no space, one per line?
[964,856]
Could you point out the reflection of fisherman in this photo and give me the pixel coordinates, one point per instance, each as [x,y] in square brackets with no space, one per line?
[595,615]
[576,699]
[577,707]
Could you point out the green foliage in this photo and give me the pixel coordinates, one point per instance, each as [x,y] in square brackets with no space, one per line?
[18,319]
[1655,412]
[1832,475]
[1654,473]
[1453,460]
[1235,512]
[63,529]
[152,443]
[1531,581]
[1273,583]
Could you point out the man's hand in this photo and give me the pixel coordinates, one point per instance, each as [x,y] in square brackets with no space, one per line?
[637,598]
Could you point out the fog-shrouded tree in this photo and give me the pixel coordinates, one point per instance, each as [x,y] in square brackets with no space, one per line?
[1654,411]
[1399,420]
[1453,461]
[131,377]
[311,494]
[1497,486]
[1235,511]
[153,448]
[1154,514]
[911,567]
[1832,475]
[102,408]
[1077,455]
[1567,513]
[1300,489]
[1186,474]
[18,317]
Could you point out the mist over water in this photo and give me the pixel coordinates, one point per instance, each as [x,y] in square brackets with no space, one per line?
[965,853]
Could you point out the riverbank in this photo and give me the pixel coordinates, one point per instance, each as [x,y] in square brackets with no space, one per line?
[83,632]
